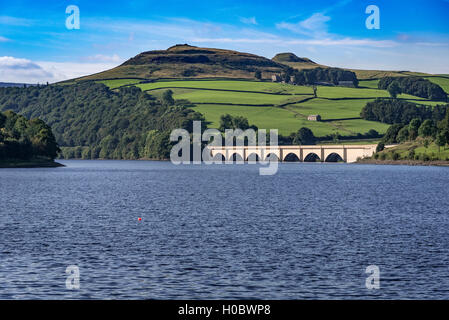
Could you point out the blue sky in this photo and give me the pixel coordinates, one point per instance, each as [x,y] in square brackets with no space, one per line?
[36,46]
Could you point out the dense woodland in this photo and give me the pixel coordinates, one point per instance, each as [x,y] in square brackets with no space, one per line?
[23,139]
[412,126]
[316,75]
[393,111]
[428,128]
[91,121]
[415,86]
[412,136]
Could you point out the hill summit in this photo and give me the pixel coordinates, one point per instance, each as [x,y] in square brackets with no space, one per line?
[186,61]
[290,57]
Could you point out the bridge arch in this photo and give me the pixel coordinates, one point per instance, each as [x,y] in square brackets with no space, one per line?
[272,157]
[219,157]
[253,157]
[291,157]
[311,157]
[334,157]
[235,157]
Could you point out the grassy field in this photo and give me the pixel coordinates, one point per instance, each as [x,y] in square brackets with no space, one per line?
[254,86]
[375,74]
[119,82]
[264,118]
[202,96]
[372,84]
[443,82]
[277,106]
[331,109]
[342,92]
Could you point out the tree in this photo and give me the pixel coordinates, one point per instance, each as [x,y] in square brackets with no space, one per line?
[226,122]
[413,128]
[335,137]
[441,140]
[372,133]
[443,137]
[403,134]
[167,98]
[258,75]
[304,136]
[2,120]
[238,122]
[314,91]
[380,147]
[394,89]
[427,129]
[392,133]
[157,145]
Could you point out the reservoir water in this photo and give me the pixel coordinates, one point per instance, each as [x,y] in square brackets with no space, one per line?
[224,231]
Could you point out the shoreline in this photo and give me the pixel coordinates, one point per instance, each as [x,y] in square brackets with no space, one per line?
[30,164]
[439,163]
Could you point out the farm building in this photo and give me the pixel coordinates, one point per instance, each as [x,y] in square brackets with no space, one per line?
[275,78]
[314,117]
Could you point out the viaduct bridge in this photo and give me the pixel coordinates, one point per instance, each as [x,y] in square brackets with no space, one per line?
[323,153]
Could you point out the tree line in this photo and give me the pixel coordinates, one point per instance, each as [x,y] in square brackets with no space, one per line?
[426,132]
[415,86]
[316,75]
[393,111]
[23,139]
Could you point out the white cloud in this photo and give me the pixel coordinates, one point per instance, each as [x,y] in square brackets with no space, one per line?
[26,71]
[21,70]
[251,20]
[314,26]
[3,39]
[70,70]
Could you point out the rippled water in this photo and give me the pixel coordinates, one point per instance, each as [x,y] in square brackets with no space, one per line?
[224,231]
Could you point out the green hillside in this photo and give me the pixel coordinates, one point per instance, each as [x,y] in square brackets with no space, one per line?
[219,82]
[278,106]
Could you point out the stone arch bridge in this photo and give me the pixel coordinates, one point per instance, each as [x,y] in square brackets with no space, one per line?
[323,153]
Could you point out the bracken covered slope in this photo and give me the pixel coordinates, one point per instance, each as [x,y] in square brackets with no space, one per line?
[185,61]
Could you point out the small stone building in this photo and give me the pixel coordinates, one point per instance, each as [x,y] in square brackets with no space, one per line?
[314,117]
[275,78]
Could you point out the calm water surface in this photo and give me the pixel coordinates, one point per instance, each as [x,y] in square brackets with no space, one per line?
[214,232]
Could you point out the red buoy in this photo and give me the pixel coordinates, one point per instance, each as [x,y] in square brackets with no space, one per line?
[140,219]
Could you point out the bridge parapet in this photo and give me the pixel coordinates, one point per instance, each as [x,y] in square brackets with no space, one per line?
[348,153]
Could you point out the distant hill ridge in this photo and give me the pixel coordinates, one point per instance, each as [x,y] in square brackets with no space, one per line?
[186,61]
[183,61]
[290,57]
